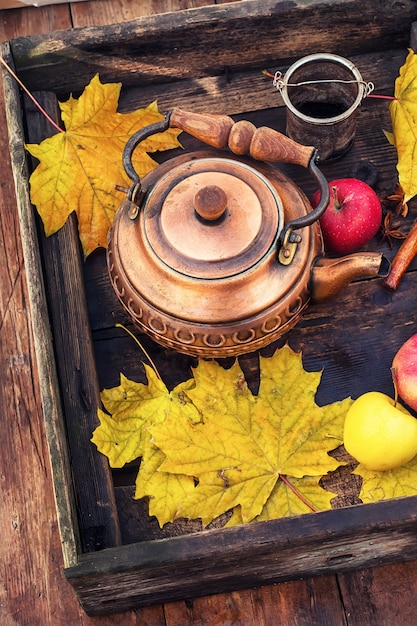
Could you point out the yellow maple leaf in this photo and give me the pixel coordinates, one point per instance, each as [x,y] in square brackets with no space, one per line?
[403,111]
[395,483]
[211,446]
[79,169]
[164,490]
[243,444]
[284,502]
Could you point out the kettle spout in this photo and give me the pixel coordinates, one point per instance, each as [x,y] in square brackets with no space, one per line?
[330,276]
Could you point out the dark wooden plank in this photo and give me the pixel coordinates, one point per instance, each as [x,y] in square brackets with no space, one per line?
[208,41]
[62,263]
[245,556]
[27,513]
[136,525]
[228,92]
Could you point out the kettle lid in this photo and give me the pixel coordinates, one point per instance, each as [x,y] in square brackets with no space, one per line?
[212,217]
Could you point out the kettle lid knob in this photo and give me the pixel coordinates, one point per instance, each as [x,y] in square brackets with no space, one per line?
[210,202]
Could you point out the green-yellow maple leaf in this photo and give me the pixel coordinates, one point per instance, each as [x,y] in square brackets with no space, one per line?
[403,110]
[131,408]
[79,169]
[395,483]
[243,443]
[287,502]
[123,436]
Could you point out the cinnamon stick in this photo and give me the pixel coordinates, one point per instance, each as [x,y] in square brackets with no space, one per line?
[402,259]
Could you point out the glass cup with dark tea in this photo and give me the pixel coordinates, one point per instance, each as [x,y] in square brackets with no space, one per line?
[322,93]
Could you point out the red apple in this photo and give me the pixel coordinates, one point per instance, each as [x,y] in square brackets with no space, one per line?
[404,367]
[353,215]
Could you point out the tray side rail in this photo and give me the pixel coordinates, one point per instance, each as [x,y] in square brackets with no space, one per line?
[66,332]
[42,336]
[246,556]
[77,373]
[190,44]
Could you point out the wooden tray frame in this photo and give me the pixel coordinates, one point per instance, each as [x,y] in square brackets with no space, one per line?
[123,577]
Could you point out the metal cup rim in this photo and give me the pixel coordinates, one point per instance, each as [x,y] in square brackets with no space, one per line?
[323,56]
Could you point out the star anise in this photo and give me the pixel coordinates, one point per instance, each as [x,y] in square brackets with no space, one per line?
[389,231]
[395,202]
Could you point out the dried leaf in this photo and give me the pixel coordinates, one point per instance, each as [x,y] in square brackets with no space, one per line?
[80,168]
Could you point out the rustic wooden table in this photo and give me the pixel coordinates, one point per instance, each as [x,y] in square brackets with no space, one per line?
[33,589]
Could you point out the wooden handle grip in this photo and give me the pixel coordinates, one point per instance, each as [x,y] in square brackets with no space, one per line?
[262,144]
[271,146]
[212,129]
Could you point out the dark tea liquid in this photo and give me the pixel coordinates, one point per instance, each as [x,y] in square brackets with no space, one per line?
[321,110]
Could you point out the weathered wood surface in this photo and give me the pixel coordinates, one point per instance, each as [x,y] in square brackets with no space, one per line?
[192,43]
[32,589]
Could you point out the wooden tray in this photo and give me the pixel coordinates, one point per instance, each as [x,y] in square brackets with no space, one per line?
[211,60]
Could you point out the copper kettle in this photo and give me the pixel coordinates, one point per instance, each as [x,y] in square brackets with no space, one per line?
[215,254]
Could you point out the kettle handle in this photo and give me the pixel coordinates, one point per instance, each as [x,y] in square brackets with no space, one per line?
[262,144]
[242,138]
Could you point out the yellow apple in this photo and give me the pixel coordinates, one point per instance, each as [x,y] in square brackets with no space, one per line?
[378,433]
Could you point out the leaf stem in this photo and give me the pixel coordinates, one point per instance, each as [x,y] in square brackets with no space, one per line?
[27,92]
[394,382]
[297,493]
[142,348]
[337,203]
[374,95]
